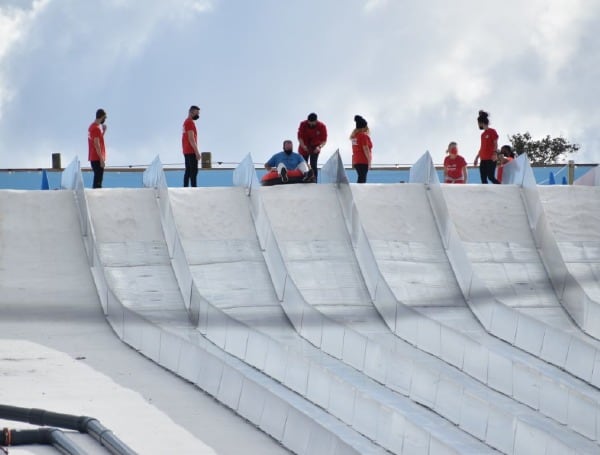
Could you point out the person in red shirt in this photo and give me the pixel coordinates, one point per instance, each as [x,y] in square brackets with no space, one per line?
[362,149]
[488,150]
[96,147]
[312,136]
[189,144]
[455,166]
[505,156]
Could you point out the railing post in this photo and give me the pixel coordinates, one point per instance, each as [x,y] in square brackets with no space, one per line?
[571,177]
[56,161]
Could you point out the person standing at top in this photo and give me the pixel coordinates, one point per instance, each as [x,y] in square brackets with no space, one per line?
[488,150]
[96,147]
[455,166]
[312,137]
[362,149]
[189,143]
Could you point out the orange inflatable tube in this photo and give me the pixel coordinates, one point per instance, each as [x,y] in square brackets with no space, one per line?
[273,178]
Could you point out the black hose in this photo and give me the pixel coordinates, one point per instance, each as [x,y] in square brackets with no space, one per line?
[45,436]
[83,424]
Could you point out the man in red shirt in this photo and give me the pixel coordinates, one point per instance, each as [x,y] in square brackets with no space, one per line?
[312,136]
[96,148]
[488,150]
[189,144]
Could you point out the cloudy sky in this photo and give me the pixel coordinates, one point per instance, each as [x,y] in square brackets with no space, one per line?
[417,71]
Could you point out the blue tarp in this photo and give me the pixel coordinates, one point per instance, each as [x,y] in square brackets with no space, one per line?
[30,179]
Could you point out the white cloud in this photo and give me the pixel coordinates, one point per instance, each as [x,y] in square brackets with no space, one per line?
[198,6]
[14,24]
[375,4]
[418,72]
[557,31]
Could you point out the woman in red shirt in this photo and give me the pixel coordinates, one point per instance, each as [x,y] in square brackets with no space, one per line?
[362,149]
[505,156]
[488,150]
[455,166]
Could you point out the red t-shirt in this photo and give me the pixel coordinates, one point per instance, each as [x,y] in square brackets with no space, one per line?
[488,144]
[312,137]
[500,169]
[358,154]
[95,131]
[188,125]
[454,167]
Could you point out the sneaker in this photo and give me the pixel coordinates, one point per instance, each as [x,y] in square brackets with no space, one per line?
[284,177]
[308,176]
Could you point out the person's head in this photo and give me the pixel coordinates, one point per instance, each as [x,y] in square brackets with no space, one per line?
[194,112]
[100,116]
[360,122]
[452,149]
[483,120]
[312,119]
[288,146]
[507,151]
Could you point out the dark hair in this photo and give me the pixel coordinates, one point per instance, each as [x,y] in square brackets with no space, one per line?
[483,118]
[312,117]
[360,122]
[100,113]
[286,141]
[193,107]
[507,151]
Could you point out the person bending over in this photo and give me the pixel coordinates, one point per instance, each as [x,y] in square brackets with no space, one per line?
[312,137]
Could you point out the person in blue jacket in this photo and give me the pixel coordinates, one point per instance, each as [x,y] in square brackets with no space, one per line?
[288,160]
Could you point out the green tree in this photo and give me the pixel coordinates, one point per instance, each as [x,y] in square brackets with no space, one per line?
[544,151]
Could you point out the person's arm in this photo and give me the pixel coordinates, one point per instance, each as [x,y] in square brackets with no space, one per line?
[496,148]
[367,152]
[465,173]
[476,159]
[323,137]
[301,137]
[269,165]
[99,150]
[445,172]
[192,140]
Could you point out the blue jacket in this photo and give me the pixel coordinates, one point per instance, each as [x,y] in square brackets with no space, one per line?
[290,161]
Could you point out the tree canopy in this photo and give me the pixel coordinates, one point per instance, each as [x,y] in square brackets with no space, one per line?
[543,151]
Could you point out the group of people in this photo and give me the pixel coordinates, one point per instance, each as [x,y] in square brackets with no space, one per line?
[491,160]
[312,137]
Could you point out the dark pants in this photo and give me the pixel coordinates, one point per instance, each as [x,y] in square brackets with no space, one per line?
[98,174]
[487,168]
[312,159]
[191,170]
[361,172]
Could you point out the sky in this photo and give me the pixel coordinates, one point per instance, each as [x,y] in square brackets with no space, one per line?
[417,71]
